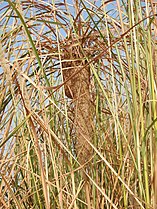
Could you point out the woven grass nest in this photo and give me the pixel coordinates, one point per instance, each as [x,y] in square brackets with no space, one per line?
[77,79]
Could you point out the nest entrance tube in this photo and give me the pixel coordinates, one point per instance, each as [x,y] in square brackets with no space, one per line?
[77,88]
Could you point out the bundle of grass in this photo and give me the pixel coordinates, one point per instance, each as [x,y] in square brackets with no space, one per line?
[77,77]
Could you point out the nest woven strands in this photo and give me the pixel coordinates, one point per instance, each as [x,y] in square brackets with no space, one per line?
[78,89]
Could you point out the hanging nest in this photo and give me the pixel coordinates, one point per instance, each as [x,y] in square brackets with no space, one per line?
[77,79]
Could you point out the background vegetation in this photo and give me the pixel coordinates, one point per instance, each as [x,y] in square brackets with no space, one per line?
[40,163]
